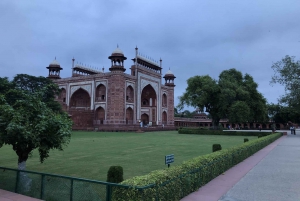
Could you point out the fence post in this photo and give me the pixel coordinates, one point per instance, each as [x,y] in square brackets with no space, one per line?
[108,192]
[42,186]
[200,181]
[183,187]
[71,190]
[17,181]
[157,195]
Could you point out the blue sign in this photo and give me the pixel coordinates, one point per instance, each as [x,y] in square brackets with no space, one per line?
[169,159]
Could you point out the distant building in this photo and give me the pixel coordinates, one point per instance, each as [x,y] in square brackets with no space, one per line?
[200,115]
[95,99]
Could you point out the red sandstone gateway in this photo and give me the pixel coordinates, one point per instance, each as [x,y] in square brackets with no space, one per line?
[99,100]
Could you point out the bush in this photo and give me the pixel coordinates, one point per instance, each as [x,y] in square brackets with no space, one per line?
[178,181]
[262,134]
[246,140]
[115,174]
[216,147]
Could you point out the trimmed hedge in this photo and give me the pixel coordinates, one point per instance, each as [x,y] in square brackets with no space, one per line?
[197,131]
[216,147]
[115,174]
[178,181]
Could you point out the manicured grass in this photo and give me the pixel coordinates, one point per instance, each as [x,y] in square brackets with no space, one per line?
[90,154]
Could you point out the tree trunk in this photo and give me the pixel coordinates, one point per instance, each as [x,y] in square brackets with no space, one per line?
[25,182]
[215,122]
[22,165]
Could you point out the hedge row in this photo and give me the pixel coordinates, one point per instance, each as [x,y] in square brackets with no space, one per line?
[178,181]
[199,131]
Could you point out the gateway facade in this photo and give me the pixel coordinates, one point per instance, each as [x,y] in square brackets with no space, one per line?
[96,99]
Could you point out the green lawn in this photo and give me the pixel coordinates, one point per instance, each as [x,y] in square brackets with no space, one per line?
[90,154]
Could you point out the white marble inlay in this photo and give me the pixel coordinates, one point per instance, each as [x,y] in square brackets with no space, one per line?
[129,84]
[144,83]
[104,82]
[130,106]
[97,105]
[62,86]
[84,87]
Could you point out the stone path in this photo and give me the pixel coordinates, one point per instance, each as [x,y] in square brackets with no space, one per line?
[9,196]
[272,173]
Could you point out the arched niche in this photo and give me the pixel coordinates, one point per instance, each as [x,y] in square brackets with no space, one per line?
[100,115]
[164,118]
[129,94]
[62,95]
[145,119]
[164,100]
[80,99]
[129,115]
[148,98]
[100,93]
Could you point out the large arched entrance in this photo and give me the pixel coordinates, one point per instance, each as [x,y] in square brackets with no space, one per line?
[129,116]
[100,115]
[80,100]
[149,104]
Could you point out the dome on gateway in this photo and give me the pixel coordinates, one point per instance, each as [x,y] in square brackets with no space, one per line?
[54,63]
[117,51]
[169,72]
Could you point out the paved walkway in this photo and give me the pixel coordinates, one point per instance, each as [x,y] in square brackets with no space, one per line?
[9,196]
[271,174]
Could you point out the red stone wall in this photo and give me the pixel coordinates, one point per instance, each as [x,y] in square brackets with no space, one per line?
[116,99]
[170,100]
[82,119]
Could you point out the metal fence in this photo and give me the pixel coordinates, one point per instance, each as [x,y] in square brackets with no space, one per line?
[51,187]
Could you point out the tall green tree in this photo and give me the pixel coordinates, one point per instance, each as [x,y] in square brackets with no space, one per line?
[240,91]
[31,84]
[28,122]
[287,73]
[282,114]
[202,92]
[5,85]
[233,96]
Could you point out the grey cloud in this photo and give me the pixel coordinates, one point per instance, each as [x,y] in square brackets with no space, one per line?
[192,37]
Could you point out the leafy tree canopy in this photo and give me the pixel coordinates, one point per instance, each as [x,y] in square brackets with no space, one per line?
[31,84]
[233,96]
[287,73]
[28,119]
[283,114]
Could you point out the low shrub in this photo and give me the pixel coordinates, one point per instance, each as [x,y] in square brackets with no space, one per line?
[262,134]
[178,181]
[246,140]
[216,147]
[115,174]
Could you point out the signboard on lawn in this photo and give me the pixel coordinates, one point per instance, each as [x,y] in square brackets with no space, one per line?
[169,159]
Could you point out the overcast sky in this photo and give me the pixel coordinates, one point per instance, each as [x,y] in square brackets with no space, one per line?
[193,37]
